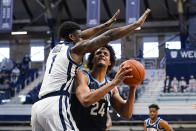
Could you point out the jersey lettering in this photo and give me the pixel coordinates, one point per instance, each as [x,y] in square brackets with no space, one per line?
[96,111]
[53,59]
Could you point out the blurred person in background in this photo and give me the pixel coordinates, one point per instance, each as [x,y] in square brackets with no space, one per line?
[155,123]
[167,84]
[175,84]
[182,84]
[192,84]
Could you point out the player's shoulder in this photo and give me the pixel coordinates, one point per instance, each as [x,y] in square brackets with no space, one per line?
[163,123]
[83,73]
[146,120]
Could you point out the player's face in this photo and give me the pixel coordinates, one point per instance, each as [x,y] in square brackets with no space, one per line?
[153,113]
[76,36]
[102,57]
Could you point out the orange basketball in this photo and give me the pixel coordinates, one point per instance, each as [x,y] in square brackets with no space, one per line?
[138,72]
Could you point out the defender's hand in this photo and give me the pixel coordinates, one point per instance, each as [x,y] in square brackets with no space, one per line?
[113,19]
[141,20]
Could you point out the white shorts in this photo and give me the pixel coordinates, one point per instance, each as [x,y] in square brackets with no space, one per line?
[52,114]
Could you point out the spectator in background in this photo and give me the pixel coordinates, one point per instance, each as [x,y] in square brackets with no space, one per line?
[123,91]
[167,83]
[174,84]
[14,75]
[7,64]
[192,84]
[182,84]
[26,62]
[111,74]
[5,84]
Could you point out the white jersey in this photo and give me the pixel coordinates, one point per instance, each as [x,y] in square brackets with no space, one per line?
[52,111]
[153,126]
[60,70]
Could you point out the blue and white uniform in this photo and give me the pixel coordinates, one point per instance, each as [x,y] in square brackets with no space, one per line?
[153,126]
[52,111]
[94,117]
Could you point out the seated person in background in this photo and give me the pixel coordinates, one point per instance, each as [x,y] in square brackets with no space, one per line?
[192,84]
[15,74]
[92,92]
[155,123]
[123,91]
[182,84]
[167,86]
[26,62]
[174,84]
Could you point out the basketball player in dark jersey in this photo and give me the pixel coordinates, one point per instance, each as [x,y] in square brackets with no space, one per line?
[93,92]
[155,123]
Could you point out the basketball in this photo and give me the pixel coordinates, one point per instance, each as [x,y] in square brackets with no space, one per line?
[138,72]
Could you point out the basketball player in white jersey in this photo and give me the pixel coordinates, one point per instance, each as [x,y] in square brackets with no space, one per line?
[52,111]
[155,123]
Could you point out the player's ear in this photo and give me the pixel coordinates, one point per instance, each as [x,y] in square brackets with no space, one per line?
[71,36]
[109,63]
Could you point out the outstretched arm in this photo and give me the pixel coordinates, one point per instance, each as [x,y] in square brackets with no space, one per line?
[87,97]
[164,125]
[79,50]
[88,33]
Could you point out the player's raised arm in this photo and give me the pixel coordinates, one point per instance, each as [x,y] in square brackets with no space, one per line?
[125,109]
[88,33]
[110,35]
[87,97]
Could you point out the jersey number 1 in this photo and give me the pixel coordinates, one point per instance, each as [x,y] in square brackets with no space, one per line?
[53,59]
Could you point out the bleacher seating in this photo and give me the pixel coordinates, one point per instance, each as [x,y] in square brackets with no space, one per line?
[21,83]
[177,97]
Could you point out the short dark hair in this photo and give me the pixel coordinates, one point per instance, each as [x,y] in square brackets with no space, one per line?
[112,58]
[154,106]
[67,28]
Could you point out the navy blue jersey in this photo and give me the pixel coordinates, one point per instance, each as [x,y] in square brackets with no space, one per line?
[153,126]
[92,118]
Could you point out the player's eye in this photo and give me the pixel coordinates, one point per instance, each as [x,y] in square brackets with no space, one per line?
[105,53]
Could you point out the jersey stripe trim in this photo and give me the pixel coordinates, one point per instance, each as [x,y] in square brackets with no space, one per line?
[60,100]
[61,114]
[69,57]
[68,115]
[158,123]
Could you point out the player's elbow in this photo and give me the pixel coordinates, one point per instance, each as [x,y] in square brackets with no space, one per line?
[127,116]
[86,103]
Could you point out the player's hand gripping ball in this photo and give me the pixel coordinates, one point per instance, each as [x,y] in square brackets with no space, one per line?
[138,72]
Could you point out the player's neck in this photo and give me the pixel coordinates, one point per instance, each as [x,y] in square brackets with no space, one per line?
[99,74]
[153,120]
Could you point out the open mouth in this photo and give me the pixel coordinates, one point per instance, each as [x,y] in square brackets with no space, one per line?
[101,59]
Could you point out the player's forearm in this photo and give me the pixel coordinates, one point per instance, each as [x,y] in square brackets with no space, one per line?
[120,32]
[94,96]
[93,31]
[108,36]
[88,33]
[127,108]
